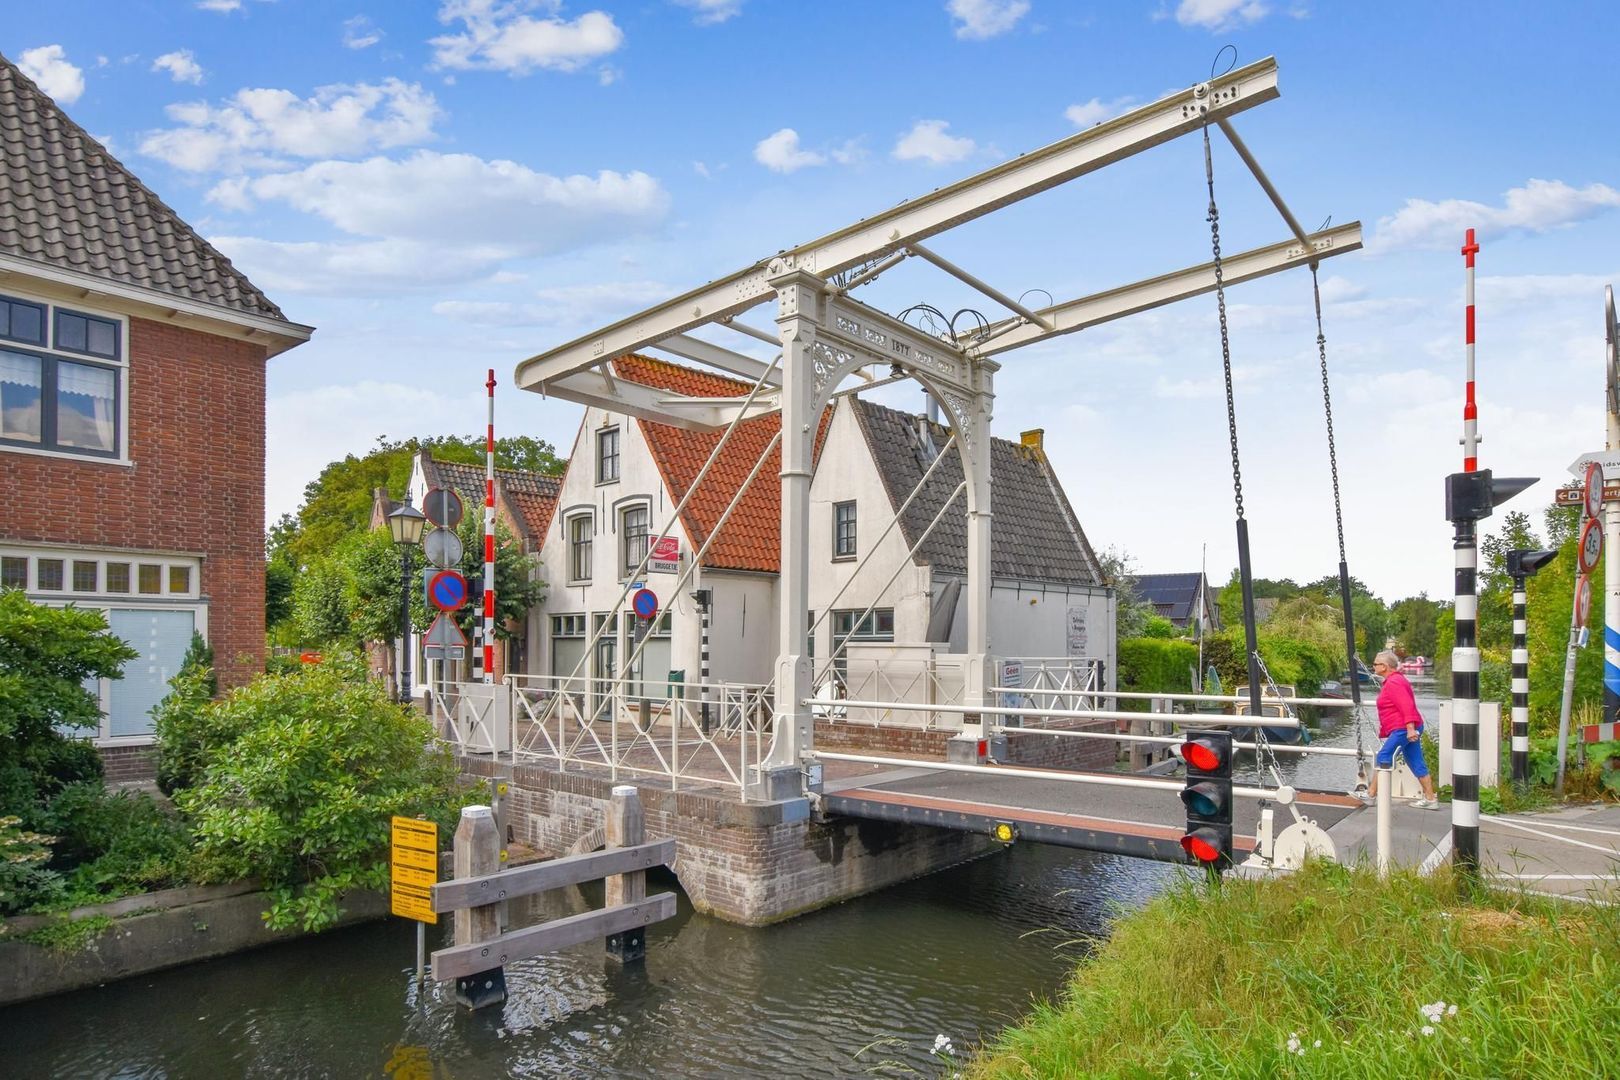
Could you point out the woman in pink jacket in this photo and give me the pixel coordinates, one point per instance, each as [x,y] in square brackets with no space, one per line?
[1400,725]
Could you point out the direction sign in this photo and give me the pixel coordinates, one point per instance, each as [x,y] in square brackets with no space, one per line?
[447,590]
[645,602]
[1583,600]
[442,548]
[1591,549]
[1574,495]
[413,868]
[1592,489]
[443,507]
[444,632]
[1609,459]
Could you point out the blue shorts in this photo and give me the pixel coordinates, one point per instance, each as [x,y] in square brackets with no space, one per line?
[1412,751]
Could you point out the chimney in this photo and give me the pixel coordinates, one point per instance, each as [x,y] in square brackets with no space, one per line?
[1034,439]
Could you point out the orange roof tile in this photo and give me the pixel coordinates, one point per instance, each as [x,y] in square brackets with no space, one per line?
[751,539]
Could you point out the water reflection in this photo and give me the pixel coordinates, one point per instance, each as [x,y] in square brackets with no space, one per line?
[836,993]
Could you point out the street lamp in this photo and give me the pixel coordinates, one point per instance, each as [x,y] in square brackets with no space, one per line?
[405,524]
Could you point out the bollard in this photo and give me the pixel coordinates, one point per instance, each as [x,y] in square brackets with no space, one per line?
[626,827]
[1386,782]
[477,852]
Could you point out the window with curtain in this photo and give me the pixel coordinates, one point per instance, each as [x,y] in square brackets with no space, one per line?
[65,404]
[633,528]
[579,547]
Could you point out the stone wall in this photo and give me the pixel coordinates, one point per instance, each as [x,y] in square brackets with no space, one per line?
[750,863]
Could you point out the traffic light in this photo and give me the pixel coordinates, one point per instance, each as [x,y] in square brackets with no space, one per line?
[1471,496]
[1208,797]
[1524,563]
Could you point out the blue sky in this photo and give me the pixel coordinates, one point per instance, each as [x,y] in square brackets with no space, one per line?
[444,187]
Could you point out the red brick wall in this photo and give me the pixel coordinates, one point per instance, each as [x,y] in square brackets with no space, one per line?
[196,437]
[128,764]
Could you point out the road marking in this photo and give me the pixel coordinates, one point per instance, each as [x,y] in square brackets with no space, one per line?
[1609,851]
[1556,825]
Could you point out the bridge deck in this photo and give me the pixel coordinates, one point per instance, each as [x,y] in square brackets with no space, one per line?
[1129,821]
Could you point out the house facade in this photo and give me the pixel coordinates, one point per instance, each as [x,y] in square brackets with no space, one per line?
[887,595]
[132,393]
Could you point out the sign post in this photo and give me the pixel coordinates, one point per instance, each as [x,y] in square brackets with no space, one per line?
[1588,553]
[413,870]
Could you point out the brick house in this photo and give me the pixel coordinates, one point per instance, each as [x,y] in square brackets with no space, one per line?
[132,394]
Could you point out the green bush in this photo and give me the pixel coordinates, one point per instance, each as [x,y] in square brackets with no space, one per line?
[1155,665]
[1299,664]
[184,725]
[302,796]
[25,880]
[112,844]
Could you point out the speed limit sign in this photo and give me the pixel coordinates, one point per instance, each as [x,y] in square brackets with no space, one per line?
[1591,549]
[1583,600]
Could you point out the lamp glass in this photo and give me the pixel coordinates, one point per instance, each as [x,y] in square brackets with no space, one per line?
[406,525]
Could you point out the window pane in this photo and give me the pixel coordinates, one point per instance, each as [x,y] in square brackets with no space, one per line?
[607,455]
[118,577]
[13,572]
[50,574]
[636,523]
[70,331]
[84,575]
[179,579]
[22,321]
[161,638]
[103,338]
[20,387]
[151,578]
[85,400]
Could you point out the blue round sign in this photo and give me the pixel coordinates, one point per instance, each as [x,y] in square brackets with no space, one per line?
[645,602]
[447,590]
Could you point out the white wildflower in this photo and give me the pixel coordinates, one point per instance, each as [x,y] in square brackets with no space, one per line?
[1317,1043]
[1451,1010]
[1293,1042]
[1427,1030]
[942,1045]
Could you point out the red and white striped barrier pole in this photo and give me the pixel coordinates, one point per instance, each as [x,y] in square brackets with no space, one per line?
[489,527]
[1470,439]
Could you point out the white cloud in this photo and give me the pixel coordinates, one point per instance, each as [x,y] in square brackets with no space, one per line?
[701,169]
[255,127]
[1538,206]
[499,36]
[360,33]
[607,75]
[1210,386]
[222,6]
[1095,111]
[927,141]
[433,219]
[181,65]
[709,12]
[977,20]
[780,152]
[563,305]
[1220,15]
[48,66]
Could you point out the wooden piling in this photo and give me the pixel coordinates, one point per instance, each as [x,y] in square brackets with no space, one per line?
[626,827]
[477,851]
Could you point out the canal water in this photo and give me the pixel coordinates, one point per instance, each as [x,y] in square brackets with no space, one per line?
[863,988]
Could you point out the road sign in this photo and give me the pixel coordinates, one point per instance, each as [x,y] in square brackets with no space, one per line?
[1574,495]
[1609,459]
[413,868]
[445,633]
[1583,600]
[1592,490]
[664,555]
[443,507]
[442,548]
[646,603]
[443,652]
[447,590]
[1591,549]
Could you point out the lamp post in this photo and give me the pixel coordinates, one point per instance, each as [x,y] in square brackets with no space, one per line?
[405,524]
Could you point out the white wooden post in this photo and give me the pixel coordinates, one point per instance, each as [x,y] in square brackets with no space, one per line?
[626,827]
[476,852]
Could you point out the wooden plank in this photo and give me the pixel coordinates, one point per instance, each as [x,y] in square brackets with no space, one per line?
[462,960]
[552,874]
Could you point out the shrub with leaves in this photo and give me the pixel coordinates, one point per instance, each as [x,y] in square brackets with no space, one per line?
[301,797]
[184,725]
[112,844]
[24,878]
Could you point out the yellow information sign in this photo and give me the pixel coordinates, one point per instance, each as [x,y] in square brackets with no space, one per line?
[414,868]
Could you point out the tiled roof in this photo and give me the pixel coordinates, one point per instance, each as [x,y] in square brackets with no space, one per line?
[1173,595]
[751,539]
[1034,533]
[66,202]
[530,497]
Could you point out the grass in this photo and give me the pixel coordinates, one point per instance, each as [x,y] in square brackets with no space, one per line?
[1326,973]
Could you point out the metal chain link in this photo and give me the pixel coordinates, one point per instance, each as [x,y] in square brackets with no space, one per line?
[1214,219]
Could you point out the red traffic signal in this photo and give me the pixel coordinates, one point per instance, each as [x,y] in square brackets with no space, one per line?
[1207,753]
[1207,845]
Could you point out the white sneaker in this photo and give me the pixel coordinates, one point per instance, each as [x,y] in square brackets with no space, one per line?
[1426,804]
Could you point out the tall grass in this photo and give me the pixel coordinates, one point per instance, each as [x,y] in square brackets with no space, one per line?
[1333,973]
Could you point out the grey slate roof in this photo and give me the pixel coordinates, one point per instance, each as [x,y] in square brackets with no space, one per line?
[530,496]
[66,202]
[1034,535]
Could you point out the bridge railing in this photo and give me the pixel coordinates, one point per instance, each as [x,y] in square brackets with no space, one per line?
[1052,682]
[619,727]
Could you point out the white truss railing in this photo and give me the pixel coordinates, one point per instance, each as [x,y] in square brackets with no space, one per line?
[1055,682]
[586,724]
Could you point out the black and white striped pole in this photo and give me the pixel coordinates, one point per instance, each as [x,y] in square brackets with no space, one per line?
[1521,565]
[1471,495]
[705,601]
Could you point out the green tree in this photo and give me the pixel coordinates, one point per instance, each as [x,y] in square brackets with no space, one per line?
[301,793]
[181,719]
[320,604]
[517,586]
[1131,611]
[48,655]
[1230,598]
[1414,622]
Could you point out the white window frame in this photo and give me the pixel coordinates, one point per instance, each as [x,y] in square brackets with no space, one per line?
[626,567]
[191,600]
[569,524]
[120,456]
[618,454]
